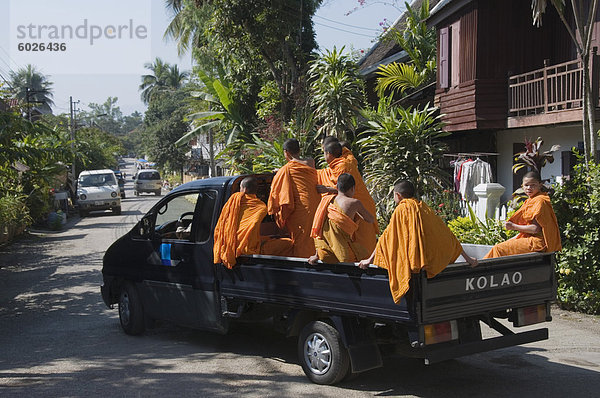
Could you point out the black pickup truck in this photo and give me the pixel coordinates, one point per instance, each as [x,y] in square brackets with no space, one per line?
[344,316]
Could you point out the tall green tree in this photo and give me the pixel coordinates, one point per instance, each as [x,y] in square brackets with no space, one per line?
[247,36]
[163,77]
[337,93]
[33,87]
[584,12]
[164,124]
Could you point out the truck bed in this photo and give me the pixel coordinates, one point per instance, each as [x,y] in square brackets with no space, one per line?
[458,291]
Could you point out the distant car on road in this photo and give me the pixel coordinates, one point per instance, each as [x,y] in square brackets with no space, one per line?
[98,190]
[147,180]
[121,181]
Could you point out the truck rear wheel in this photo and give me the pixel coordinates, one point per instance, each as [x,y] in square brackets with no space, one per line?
[322,354]
[131,313]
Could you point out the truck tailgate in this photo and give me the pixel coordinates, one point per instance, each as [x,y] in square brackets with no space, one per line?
[495,285]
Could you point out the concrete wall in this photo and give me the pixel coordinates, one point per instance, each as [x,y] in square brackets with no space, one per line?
[565,136]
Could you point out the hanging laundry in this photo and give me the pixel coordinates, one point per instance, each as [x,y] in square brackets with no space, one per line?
[473,173]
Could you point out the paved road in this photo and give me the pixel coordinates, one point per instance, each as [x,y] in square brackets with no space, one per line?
[57,339]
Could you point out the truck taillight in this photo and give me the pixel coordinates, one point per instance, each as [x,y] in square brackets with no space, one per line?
[530,315]
[441,332]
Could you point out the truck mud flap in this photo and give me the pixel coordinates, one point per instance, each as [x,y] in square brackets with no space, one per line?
[433,354]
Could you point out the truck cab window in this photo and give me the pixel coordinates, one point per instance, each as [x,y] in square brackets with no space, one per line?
[206,210]
[174,219]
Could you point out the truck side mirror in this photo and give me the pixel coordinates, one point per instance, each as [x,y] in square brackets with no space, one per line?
[144,227]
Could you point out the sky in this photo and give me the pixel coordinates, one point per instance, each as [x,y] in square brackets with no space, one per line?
[107,43]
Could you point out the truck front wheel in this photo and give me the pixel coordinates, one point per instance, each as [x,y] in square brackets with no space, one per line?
[131,313]
[322,354]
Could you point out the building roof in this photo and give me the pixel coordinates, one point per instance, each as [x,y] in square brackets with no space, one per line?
[445,8]
[387,50]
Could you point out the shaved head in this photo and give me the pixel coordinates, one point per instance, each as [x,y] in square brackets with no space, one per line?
[292,146]
[405,188]
[334,148]
[533,174]
[249,185]
[345,182]
[329,139]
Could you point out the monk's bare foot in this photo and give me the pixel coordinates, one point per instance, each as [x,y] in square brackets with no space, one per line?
[312,260]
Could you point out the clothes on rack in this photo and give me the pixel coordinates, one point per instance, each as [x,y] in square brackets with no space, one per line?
[470,174]
[457,171]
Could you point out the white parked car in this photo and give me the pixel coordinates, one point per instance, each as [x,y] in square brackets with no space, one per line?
[98,190]
[147,180]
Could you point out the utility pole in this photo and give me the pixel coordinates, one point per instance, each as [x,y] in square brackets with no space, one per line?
[72,130]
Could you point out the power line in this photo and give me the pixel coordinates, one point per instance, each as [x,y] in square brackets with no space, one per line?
[10,59]
[343,30]
[7,82]
[345,24]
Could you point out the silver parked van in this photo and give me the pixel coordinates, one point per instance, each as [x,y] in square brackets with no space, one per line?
[147,180]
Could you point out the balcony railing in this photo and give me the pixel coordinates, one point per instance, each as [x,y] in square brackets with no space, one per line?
[549,89]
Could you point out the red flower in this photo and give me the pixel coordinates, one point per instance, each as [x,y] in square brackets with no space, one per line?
[441,205]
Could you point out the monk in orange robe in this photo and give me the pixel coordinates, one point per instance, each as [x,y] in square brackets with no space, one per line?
[335,225]
[366,234]
[238,230]
[294,198]
[535,221]
[415,239]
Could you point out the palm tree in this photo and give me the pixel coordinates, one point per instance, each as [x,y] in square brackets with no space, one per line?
[32,87]
[184,27]
[419,42]
[163,77]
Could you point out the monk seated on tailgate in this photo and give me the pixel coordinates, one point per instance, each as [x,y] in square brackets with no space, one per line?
[535,221]
[415,239]
[335,224]
[238,230]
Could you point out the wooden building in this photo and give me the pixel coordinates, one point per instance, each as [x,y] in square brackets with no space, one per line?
[502,80]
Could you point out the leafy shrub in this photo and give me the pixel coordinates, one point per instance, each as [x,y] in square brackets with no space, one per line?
[401,144]
[13,210]
[472,230]
[577,207]
[445,203]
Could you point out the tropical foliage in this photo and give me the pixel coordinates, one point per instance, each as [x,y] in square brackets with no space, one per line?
[31,158]
[164,124]
[472,230]
[532,157]
[401,144]
[164,77]
[337,93]
[577,207]
[223,112]
[33,88]
[420,43]
[256,41]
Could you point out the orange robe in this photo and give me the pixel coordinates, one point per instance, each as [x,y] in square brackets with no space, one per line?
[415,239]
[349,156]
[293,201]
[366,234]
[537,208]
[238,231]
[334,234]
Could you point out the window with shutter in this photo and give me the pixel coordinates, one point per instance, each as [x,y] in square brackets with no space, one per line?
[443,60]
